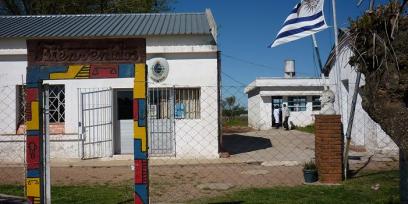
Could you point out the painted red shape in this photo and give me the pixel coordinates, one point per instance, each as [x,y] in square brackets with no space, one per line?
[144,171]
[33,152]
[31,94]
[140,172]
[137,199]
[135,110]
[104,71]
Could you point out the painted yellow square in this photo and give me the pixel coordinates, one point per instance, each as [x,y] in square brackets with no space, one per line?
[139,89]
[140,133]
[140,72]
[33,187]
[34,124]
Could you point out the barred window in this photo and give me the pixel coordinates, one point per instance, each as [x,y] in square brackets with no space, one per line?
[160,103]
[20,106]
[57,103]
[316,103]
[187,103]
[297,103]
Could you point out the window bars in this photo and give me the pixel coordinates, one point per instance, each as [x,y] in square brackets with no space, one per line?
[57,103]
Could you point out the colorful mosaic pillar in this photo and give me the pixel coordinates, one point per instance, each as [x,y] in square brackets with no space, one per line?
[33,144]
[141,195]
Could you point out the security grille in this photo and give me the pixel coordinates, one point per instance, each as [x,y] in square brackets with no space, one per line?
[57,103]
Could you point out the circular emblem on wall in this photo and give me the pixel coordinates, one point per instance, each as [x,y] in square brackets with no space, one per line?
[158,69]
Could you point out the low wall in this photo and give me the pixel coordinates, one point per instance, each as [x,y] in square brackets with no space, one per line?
[12,147]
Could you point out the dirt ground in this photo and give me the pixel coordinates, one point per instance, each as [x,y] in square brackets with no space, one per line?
[172,183]
[257,159]
[177,183]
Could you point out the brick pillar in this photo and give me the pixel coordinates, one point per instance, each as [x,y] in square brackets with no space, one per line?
[329,146]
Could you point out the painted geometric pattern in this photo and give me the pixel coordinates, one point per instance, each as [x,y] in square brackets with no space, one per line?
[35,76]
[33,147]
[140,136]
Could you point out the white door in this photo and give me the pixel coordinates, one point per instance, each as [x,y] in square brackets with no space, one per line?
[124,122]
[95,122]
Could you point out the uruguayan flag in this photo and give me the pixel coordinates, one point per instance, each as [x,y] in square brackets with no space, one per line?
[305,19]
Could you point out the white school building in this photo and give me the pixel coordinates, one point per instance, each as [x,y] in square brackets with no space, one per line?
[366,134]
[301,95]
[183,86]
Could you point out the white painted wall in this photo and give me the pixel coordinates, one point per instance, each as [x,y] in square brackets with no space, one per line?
[365,132]
[61,146]
[195,138]
[11,74]
[193,63]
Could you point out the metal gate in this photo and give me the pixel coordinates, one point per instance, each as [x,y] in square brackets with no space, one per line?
[95,122]
[161,121]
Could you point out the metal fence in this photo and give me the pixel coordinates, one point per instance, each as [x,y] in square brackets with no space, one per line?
[241,140]
[12,138]
[204,141]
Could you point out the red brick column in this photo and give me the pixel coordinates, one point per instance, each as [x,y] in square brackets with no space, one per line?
[329,146]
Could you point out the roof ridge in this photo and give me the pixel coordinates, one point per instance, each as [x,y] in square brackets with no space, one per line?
[100,14]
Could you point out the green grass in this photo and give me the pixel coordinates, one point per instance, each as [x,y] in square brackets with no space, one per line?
[236,121]
[308,129]
[82,194]
[12,190]
[357,190]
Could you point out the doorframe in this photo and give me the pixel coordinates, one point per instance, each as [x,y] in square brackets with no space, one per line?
[74,61]
[116,124]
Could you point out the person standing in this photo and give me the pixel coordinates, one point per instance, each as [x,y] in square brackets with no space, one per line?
[276,116]
[286,114]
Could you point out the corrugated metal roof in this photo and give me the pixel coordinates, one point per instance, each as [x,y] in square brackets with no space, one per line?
[104,25]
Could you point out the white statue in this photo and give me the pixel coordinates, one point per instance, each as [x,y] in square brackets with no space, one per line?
[327,100]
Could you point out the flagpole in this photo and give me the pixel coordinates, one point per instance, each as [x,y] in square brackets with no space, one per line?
[336,54]
[316,48]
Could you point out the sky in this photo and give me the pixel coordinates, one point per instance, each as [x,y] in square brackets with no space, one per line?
[247,27]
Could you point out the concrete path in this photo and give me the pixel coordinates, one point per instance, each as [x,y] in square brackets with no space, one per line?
[270,146]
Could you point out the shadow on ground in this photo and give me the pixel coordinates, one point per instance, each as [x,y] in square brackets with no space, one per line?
[236,144]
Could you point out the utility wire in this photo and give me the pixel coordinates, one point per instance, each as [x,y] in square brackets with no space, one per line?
[248,62]
[233,79]
[265,67]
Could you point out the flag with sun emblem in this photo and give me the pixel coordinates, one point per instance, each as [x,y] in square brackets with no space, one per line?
[305,19]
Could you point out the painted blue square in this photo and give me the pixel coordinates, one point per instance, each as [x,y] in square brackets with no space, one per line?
[33,173]
[33,132]
[141,191]
[36,74]
[126,70]
[142,112]
[138,154]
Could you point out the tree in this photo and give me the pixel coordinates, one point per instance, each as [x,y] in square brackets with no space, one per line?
[230,102]
[37,7]
[378,40]
[230,108]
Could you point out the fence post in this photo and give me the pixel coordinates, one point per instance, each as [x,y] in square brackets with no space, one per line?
[46,145]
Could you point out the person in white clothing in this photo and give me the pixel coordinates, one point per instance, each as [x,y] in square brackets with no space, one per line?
[276,116]
[285,114]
